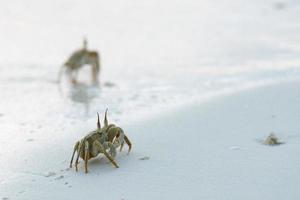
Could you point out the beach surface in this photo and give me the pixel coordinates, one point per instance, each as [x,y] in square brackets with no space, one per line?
[211,150]
[197,86]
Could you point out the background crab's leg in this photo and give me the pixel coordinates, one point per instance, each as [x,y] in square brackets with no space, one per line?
[127,142]
[86,155]
[75,75]
[99,146]
[78,154]
[75,148]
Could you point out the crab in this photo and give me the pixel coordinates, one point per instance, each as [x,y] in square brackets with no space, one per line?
[92,145]
[116,135]
[80,58]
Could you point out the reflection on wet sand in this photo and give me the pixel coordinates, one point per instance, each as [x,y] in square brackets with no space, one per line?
[83,93]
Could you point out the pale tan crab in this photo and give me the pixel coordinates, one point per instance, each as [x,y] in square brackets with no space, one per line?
[80,58]
[92,145]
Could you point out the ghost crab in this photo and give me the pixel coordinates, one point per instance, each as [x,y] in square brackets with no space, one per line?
[110,137]
[92,145]
[78,59]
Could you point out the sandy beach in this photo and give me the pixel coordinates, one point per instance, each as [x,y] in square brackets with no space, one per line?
[212,150]
[196,85]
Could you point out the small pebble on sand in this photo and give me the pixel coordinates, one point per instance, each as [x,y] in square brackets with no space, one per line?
[144,158]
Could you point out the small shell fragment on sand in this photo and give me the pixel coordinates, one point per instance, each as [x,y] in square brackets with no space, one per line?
[272,140]
[144,158]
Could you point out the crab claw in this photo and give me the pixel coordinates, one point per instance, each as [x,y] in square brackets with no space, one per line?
[98,123]
[105,118]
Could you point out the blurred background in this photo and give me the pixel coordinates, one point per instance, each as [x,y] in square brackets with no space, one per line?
[155,54]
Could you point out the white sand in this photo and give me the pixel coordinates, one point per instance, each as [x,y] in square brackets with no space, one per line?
[207,151]
[158,56]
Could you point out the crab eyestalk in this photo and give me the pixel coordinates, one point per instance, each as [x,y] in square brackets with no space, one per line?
[98,122]
[105,118]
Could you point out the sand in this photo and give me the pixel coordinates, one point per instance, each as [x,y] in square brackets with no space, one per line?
[211,150]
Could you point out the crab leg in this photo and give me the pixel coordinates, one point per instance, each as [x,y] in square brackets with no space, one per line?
[75,148]
[95,71]
[102,149]
[78,154]
[128,142]
[86,156]
[112,149]
[121,146]
[111,159]
[116,136]
[112,134]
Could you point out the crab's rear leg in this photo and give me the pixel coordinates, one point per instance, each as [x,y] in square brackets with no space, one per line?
[127,142]
[75,148]
[86,155]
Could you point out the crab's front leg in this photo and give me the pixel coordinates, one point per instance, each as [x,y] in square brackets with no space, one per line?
[111,147]
[116,137]
[101,148]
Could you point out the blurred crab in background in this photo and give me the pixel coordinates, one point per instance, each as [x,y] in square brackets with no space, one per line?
[78,59]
